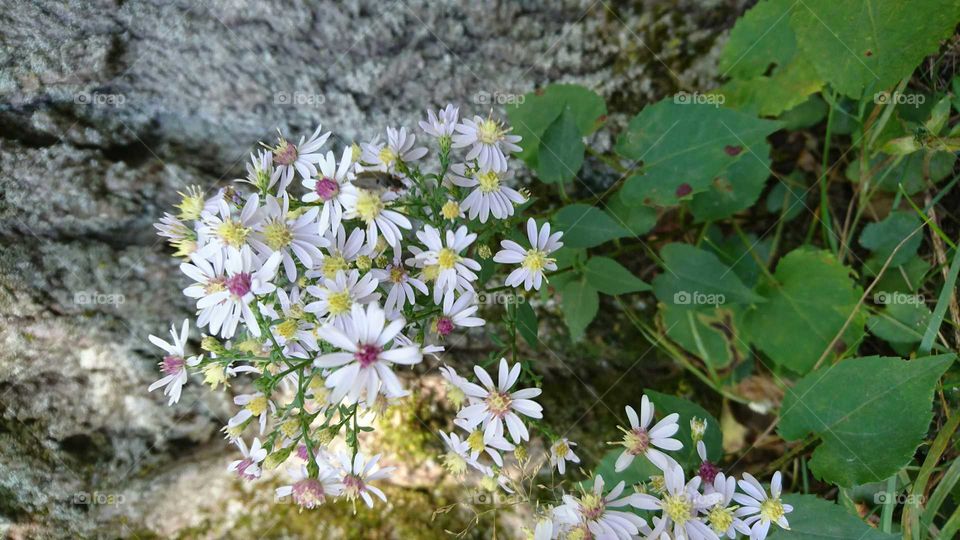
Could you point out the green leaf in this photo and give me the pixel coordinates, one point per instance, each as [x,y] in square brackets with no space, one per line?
[904,279]
[814,518]
[788,197]
[870,45]
[610,277]
[909,172]
[693,276]
[665,404]
[532,116]
[805,309]
[736,188]
[527,323]
[871,414]
[808,114]
[686,146]
[638,472]
[561,151]
[882,237]
[638,219]
[587,226]
[707,332]
[900,322]
[580,305]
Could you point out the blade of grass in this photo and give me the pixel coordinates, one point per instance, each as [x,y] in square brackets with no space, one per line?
[940,494]
[911,513]
[942,303]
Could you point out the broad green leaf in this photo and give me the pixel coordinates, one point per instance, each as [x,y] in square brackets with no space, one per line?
[788,197]
[694,276]
[807,114]
[900,322]
[636,218]
[527,323]
[871,414]
[814,518]
[805,309]
[610,277]
[909,171]
[734,189]
[587,226]
[732,250]
[561,151]
[904,279]
[707,332]
[684,147]
[665,404]
[580,305]
[870,45]
[531,117]
[882,238]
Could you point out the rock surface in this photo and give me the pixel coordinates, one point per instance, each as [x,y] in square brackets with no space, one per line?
[107,109]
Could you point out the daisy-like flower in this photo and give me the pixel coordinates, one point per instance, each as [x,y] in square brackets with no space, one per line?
[371,208]
[641,439]
[341,254]
[209,278]
[178,235]
[480,441]
[496,405]
[401,284]
[308,492]
[722,517]
[223,230]
[487,139]
[174,364]
[490,195]
[458,314]
[327,187]
[386,156]
[366,357]
[454,270]
[248,468]
[358,473]
[340,294]
[532,261]
[254,405]
[759,509]
[293,327]
[246,277]
[441,123]
[260,171]
[301,157]
[561,451]
[592,514]
[456,385]
[458,455]
[279,233]
[680,506]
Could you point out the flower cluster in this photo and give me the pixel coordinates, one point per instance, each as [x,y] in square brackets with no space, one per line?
[322,274]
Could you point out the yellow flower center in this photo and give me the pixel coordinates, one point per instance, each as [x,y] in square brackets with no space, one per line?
[771,509]
[535,260]
[288,328]
[191,204]
[364,263]
[721,519]
[431,271]
[397,274]
[591,506]
[475,441]
[339,302]
[678,507]
[489,181]
[214,375]
[233,233]
[450,210]
[277,235]
[290,428]
[388,156]
[498,403]
[447,258]
[636,441]
[560,448]
[489,131]
[334,264]
[658,484]
[454,463]
[369,205]
[295,311]
[455,395]
[257,405]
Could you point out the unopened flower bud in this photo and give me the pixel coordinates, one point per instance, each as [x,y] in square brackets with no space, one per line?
[364,263]
[211,344]
[277,458]
[484,252]
[698,426]
[450,210]
[290,428]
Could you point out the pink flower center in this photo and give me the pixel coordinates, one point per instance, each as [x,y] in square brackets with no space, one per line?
[498,403]
[636,441]
[242,469]
[239,284]
[708,471]
[353,485]
[285,153]
[309,493]
[171,364]
[327,188]
[302,452]
[367,354]
[444,326]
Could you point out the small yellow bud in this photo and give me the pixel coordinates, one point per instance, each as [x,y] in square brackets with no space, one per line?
[382,261]
[364,263]
[355,152]
[277,458]
[290,428]
[483,251]
[698,426]
[450,210]
[211,344]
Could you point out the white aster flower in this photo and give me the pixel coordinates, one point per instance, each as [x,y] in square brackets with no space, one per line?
[487,139]
[442,122]
[366,357]
[342,252]
[222,230]
[561,451]
[301,157]
[458,314]
[279,233]
[591,515]
[254,405]
[339,294]
[260,171]
[357,475]
[401,285]
[496,404]
[174,364]
[371,208]
[327,187]
[532,261]
[458,455]
[454,271]
[492,443]
[759,509]
[456,386]
[491,196]
[722,517]
[245,278]
[641,439]
[386,156]
[680,506]
[292,327]
[248,468]
[308,492]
